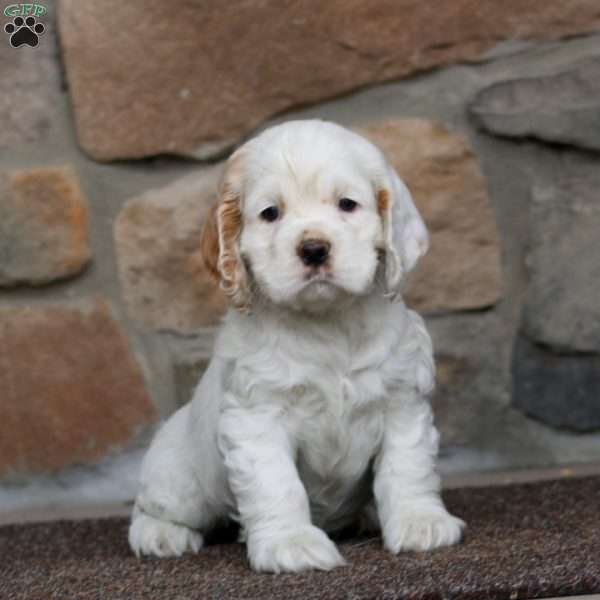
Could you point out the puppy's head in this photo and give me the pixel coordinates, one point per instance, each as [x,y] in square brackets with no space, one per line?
[310,213]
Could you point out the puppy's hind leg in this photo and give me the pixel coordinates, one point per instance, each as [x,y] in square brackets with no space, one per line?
[177,498]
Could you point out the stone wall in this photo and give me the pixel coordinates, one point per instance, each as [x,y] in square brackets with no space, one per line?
[111,145]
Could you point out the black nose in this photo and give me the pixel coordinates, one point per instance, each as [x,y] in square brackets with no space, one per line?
[314,253]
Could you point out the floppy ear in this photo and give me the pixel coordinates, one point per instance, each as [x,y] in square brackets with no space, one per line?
[405,237]
[221,236]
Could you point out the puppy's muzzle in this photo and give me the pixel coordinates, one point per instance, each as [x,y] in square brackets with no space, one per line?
[314,252]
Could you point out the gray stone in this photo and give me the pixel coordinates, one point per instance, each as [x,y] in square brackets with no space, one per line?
[30,86]
[562,108]
[188,372]
[190,356]
[471,389]
[562,304]
[452,401]
[562,390]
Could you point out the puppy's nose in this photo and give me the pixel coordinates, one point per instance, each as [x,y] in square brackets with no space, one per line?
[314,252]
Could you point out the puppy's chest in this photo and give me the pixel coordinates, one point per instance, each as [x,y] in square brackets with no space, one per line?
[329,446]
[338,429]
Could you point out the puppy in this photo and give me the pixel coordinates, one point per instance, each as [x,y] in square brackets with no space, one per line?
[313,413]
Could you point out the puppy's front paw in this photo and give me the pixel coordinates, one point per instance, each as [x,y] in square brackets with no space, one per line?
[303,548]
[422,530]
[148,535]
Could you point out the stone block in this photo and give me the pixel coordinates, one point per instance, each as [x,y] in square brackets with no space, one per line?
[71,389]
[462,268]
[561,390]
[44,225]
[30,85]
[157,235]
[194,78]
[562,306]
[563,108]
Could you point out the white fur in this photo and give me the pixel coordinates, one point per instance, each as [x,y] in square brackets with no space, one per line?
[314,407]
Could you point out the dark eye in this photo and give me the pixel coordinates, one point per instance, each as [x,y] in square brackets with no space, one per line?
[347,205]
[270,214]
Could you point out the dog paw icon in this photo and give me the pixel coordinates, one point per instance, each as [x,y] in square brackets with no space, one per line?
[24,31]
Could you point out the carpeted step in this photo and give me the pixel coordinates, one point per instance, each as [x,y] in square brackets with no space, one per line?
[523,541]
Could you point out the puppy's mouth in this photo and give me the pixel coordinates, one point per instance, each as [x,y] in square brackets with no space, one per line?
[319,284]
[319,280]
[318,274]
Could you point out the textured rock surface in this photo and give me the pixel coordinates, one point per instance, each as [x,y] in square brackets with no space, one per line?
[163,277]
[471,393]
[462,268]
[188,371]
[71,389]
[30,86]
[43,226]
[190,358]
[562,305]
[563,108]
[202,98]
[558,389]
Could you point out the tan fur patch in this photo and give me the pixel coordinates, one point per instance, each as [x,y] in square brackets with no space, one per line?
[314,234]
[209,243]
[383,201]
[230,225]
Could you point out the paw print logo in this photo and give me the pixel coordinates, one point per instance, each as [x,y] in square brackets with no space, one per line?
[24,31]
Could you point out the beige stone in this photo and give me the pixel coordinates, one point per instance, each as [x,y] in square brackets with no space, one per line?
[44,225]
[163,277]
[195,77]
[462,268]
[71,390]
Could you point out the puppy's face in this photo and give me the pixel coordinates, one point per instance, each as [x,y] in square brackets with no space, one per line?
[306,217]
[311,227]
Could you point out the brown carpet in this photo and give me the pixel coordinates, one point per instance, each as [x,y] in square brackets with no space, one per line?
[523,541]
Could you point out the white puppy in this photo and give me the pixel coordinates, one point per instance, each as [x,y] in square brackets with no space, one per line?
[313,413]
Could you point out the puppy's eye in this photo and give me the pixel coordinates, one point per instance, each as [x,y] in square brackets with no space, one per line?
[347,205]
[270,214]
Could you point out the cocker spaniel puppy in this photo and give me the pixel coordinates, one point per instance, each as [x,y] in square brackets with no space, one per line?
[313,413]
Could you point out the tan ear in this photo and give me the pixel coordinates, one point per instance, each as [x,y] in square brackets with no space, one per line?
[221,237]
[209,243]
[405,237]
